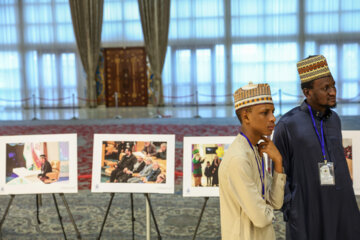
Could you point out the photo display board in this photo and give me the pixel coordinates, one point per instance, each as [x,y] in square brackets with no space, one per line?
[202,158]
[34,164]
[133,163]
[351,144]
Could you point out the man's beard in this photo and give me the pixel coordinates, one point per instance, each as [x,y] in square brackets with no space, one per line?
[330,106]
[333,106]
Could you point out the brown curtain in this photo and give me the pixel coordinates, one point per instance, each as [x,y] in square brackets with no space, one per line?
[155,19]
[87,18]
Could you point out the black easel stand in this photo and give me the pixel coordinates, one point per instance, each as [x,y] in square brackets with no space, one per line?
[38,197]
[60,218]
[6,211]
[78,235]
[153,215]
[132,216]
[202,211]
[37,208]
[106,214]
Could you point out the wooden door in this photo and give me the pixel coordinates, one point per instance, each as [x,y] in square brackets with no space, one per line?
[125,73]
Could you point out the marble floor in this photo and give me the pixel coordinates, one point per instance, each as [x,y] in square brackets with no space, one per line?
[221,111]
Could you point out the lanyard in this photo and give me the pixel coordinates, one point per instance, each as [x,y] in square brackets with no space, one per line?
[321,139]
[257,162]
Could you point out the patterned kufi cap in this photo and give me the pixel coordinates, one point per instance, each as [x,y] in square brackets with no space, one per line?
[312,68]
[252,94]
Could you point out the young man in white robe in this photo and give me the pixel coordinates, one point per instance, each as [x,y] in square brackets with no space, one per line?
[248,193]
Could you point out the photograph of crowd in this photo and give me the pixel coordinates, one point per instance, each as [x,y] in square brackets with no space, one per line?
[141,163]
[38,164]
[133,162]
[206,160]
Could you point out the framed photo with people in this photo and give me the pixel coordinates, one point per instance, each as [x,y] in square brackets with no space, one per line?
[202,159]
[134,163]
[34,164]
[351,144]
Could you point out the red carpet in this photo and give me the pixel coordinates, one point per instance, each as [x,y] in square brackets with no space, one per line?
[85,138]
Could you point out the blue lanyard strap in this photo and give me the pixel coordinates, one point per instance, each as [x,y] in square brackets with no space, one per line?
[257,163]
[321,139]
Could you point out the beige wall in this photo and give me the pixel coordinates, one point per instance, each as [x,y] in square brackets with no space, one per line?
[53,151]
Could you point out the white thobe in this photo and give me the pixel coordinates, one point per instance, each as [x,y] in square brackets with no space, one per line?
[243,211]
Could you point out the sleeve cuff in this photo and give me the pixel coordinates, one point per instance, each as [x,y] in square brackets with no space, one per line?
[279,178]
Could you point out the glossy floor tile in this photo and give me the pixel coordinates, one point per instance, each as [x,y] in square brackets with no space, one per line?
[344,109]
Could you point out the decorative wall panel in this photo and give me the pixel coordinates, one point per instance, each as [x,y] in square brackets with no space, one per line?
[125,74]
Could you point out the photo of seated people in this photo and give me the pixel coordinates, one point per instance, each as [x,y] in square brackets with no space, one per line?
[133,162]
[206,159]
[37,162]
[347,144]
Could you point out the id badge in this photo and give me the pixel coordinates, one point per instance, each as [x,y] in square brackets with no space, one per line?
[326,173]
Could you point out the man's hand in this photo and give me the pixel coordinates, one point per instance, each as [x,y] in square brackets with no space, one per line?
[270,149]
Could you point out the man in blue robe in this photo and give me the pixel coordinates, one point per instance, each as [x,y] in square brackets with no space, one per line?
[309,138]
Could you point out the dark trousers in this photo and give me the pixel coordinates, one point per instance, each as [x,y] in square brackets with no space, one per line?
[208,181]
[114,174]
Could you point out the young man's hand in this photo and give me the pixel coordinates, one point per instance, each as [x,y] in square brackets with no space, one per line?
[270,149]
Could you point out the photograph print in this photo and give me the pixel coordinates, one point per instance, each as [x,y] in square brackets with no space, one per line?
[39,164]
[133,163]
[351,145]
[202,159]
